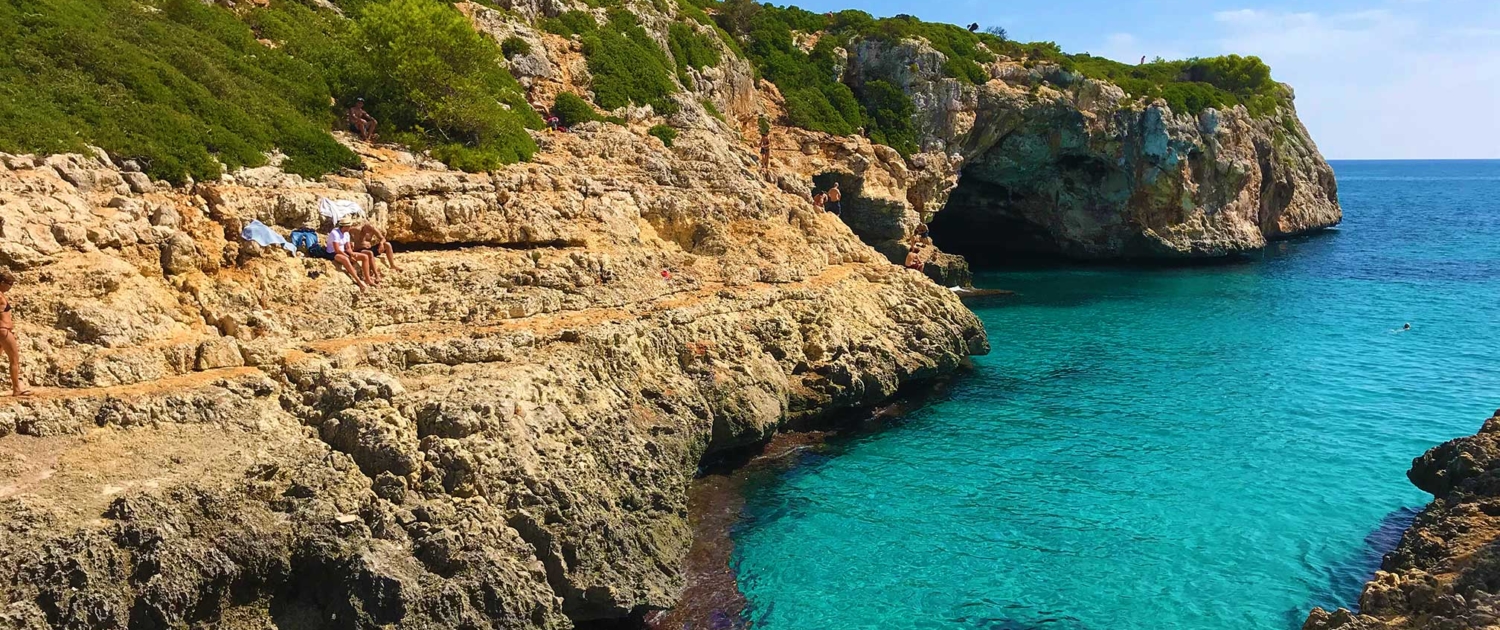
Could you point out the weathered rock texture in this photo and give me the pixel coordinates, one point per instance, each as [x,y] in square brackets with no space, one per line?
[499,436]
[1446,571]
[1054,163]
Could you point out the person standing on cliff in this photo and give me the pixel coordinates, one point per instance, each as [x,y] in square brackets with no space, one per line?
[8,339]
[834,197]
[765,154]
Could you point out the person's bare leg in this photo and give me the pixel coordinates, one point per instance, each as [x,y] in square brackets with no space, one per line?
[13,350]
[367,262]
[343,261]
[373,124]
[390,255]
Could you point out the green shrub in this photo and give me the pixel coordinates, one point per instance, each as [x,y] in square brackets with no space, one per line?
[889,112]
[181,87]
[570,23]
[570,110]
[814,98]
[513,46]
[628,66]
[691,50]
[426,71]
[664,133]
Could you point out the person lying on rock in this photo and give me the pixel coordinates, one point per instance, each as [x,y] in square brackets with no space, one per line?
[341,252]
[8,339]
[361,122]
[370,241]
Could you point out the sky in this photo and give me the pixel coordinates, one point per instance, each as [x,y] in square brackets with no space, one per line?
[1375,79]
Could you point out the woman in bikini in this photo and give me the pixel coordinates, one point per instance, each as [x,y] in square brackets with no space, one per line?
[8,340]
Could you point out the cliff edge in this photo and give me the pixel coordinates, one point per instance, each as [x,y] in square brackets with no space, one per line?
[1445,573]
[499,436]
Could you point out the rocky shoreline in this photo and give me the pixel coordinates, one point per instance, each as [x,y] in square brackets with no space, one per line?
[1445,573]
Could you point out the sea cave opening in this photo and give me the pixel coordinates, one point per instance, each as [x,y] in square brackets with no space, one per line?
[982,222]
[876,222]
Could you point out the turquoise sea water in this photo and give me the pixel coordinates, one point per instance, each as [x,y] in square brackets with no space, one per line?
[1204,448]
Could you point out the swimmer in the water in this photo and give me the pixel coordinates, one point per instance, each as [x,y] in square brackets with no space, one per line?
[1406,327]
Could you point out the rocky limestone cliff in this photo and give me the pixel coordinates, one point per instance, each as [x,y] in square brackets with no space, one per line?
[1445,573]
[1054,163]
[500,436]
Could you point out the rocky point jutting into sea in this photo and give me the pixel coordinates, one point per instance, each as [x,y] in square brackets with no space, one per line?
[502,434]
[1446,571]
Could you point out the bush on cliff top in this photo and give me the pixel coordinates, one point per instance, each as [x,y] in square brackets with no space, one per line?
[430,77]
[176,85]
[186,89]
[628,66]
[816,99]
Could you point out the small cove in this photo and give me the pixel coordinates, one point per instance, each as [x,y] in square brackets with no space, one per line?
[1202,447]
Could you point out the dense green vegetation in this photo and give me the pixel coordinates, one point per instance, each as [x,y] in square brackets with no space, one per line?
[176,85]
[1192,85]
[186,89]
[691,49]
[628,66]
[665,133]
[426,73]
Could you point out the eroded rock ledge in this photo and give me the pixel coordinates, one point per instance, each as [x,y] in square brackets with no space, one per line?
[501,436]
[1445,574]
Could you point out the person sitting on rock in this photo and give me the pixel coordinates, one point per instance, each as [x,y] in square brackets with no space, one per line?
[369,241]
[8,339]
[834,197]
[361,122]
[819,200]
[341,252]
[915,258]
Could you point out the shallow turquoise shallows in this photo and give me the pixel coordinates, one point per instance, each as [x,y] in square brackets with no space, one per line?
[1204,448]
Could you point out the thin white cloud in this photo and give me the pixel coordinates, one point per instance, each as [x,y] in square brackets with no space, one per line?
[1382,81]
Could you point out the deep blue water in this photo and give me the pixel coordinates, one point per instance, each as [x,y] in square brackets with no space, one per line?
[1204,448]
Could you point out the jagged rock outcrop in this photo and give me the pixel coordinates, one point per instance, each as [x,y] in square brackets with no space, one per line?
[1058,164]
[499,436]
[1445,573]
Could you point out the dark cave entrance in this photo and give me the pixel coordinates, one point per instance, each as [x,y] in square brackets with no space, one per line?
[980,222]
[878,224]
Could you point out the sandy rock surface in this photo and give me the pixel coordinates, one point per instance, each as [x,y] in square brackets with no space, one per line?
[500,435]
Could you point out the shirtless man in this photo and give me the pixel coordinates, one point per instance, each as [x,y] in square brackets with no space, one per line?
[914,258]
[834,197]
[8,339]
[370,241]
[361,121]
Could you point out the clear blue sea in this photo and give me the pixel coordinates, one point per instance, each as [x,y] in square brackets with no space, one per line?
[1206,448]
